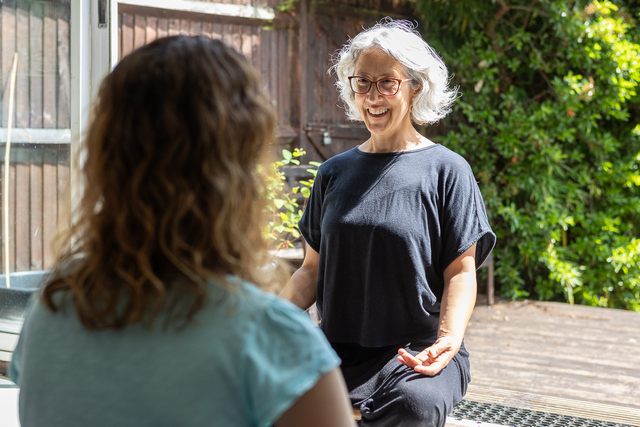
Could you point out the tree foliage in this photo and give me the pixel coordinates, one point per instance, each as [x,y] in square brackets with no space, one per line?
[549,121]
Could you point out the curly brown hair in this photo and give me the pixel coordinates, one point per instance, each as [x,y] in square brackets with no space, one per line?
[172,198]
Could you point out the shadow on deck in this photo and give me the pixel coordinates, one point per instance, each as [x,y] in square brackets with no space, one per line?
[559,358]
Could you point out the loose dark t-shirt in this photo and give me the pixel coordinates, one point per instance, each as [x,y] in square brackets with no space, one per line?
[386,226]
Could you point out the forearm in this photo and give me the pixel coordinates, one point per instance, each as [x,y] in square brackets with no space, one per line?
[457,306]
[301,288]
[459,296]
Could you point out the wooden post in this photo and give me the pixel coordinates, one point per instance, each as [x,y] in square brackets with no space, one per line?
[7,157]
[303,28]
[490,289]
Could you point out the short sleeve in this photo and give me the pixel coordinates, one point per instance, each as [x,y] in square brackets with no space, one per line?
[15,366]
[464,219]
[285,357]
[311,221]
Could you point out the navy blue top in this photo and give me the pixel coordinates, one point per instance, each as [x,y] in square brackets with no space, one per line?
[386,226]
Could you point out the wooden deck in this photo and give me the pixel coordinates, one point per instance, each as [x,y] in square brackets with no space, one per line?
[558,358]
[551,357]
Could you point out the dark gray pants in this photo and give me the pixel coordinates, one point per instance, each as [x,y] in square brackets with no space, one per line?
[390,394]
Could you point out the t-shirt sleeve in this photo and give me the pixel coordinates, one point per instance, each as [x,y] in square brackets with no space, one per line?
[15,366]
[464,219]
[311,221]
[285,357]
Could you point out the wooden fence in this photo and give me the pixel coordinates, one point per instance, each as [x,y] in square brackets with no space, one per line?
[39,32]
[38,203]
[267,45]
[39,164]
[292,50]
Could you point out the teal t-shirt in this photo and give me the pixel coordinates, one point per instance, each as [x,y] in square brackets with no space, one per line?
[241,362]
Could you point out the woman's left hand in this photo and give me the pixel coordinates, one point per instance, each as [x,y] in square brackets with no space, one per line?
[432,359]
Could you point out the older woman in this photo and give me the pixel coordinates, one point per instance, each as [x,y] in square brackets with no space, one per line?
[396,229]
[156,314]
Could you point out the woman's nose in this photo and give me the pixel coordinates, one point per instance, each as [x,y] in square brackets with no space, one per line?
[373,92]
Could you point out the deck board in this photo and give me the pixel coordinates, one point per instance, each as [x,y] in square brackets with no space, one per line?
[566,351]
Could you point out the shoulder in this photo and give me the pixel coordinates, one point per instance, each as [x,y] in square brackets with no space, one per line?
[450,160]
[450,166]
[338,162]
[266,313]
[277,314]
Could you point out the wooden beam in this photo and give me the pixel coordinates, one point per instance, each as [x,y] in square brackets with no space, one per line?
[340,131]
[219,9]
[352,11]
[36,136]
[205,11]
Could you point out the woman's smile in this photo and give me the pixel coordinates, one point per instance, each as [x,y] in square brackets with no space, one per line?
[377,112]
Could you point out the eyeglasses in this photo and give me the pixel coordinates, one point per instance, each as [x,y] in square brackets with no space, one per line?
[386,86]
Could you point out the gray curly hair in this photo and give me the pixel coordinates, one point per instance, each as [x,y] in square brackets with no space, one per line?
[400,40]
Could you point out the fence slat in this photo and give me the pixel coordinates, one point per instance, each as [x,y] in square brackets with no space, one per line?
[49,113]
[8,49]
[206,29]
[174,27]
[163,27]
[35,65]
[152,29]
[50,204]
[184,27]
[64,193]
[195,28]
[64,74]
[21,105]
[35,211]
[216,31]
[126,23]
[22,240]
[139,31]
[12,218]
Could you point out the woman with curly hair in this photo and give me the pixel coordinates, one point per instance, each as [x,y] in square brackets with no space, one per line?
[156,313]
[396,229]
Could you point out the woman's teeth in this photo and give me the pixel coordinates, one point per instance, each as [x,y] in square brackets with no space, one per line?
[378,112]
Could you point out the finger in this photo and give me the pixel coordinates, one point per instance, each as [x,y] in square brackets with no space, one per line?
[436,349]
[431,369]
[408,358]
[401,360]
[423,356]
[410,361]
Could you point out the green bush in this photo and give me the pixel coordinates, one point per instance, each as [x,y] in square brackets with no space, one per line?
[284,209]
[549,121]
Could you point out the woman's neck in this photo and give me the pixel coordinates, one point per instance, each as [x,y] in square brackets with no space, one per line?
[410,140]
